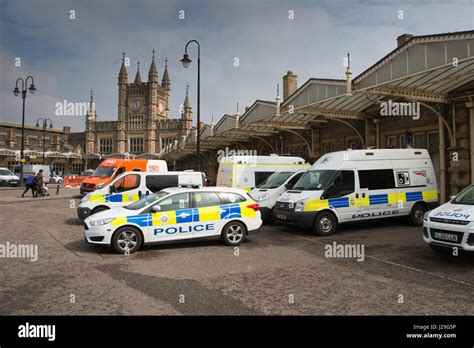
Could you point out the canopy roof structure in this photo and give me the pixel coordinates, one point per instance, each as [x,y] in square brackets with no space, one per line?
[429,69]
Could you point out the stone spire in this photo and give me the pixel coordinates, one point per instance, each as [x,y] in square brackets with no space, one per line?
[165,81]
[123,76]
[153,73]
[91,115]
[138,79]
[187,104]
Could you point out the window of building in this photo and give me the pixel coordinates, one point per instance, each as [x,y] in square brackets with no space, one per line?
[391,141]
[403,141]
[378,179]
[418,141]
[136,145]
[106,145]
[328,147]
[433,142]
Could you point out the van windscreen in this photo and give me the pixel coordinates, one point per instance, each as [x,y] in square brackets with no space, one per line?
[104,171]
[315,180]
[275,180]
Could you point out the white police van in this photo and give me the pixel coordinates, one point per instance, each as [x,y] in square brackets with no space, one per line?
[452,224]
[356,185]
[267,193]
[176,214]
[129,187]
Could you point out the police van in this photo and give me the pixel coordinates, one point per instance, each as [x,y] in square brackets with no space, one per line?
[176,214]
[356,185]
[247,172]
[131,186]
[267,193]
[451,225]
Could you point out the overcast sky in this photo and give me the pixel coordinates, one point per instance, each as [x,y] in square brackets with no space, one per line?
[68,57]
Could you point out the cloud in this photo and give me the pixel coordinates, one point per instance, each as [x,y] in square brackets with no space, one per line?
[69,57]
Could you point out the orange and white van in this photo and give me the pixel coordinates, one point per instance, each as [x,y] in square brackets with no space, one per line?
[112,167]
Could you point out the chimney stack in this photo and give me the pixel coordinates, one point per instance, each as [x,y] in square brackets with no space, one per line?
[290,84]
[403,39]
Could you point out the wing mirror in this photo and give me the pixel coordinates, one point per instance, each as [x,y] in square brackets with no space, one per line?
[156,208]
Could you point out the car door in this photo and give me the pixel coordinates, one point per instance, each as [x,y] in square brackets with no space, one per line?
[173,221]
[124,190]
[341,195]
[207,214]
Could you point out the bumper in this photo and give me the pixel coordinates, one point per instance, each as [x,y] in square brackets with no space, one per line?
[98,234]
[254,229]
[303,218]
[265,213]
[465,235]
[83,213]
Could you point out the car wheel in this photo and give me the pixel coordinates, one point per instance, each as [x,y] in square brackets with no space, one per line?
[233,233]
[440,249]
[325,224]
[98,209]
[417,214]
[125,239]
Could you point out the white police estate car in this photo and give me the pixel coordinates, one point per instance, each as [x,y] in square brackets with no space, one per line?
[451,225]
[176,214]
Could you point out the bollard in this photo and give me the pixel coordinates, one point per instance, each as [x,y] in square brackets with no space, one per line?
[57,189]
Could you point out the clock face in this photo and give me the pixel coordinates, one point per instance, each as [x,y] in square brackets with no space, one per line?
[161,108]
[136,105]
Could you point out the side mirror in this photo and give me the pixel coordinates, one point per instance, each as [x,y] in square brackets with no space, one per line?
[156,208]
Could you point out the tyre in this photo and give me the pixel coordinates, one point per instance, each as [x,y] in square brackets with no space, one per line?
[325,224]
[441,250]
[125,239]
[416,215]
[98,209]
[233,233]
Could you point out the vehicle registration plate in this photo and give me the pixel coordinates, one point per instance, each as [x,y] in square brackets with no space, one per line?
[282,217]
[446,236]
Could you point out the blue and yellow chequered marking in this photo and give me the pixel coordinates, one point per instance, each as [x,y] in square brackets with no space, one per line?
[371,200]
[214,213]
[114,197]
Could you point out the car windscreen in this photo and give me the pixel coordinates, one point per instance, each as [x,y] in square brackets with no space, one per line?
[465,197]
[104,171]
[5,172]
[146,200]
[315,180]
[275,180]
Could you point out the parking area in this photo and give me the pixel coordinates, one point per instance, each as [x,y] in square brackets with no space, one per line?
[281,270]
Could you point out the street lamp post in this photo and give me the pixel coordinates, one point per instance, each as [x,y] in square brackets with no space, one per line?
[45,122]
[16,92]
[185,61]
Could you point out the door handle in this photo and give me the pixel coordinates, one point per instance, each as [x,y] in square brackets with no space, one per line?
[363,195]
[357,195]
[140,194]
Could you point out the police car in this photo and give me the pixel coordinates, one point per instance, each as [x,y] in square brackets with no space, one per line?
[175,214]
[452,224]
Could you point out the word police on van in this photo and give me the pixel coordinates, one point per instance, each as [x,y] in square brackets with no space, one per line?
[357,185]
[176,214]
[131,186]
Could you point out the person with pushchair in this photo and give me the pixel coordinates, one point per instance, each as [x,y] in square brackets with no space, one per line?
[41,188]
[30,184]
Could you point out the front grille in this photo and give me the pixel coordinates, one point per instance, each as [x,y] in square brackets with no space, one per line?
[285,205]
[449,221]
[470,239]
[458,234]
[97,239]
[425,232]
[87,185]
[85,226]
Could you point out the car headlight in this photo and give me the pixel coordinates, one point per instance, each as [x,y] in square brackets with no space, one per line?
[262,197]
[101,222]
[98,187]
[425,217]
[300,205]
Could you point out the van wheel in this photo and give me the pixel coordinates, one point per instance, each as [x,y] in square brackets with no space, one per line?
[98,209]
[417,214]
[125,239]
[325,224]
[233,233]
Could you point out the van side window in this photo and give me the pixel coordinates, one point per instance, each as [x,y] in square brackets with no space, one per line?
[229,197]
[127,183]
[343,184]
[378,179]
[120,171]
[206,199]
[294,180]
[157,183]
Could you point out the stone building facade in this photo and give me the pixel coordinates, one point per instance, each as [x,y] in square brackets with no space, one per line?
[144,126]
